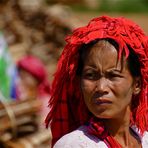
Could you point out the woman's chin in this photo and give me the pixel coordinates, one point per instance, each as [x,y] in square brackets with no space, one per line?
[103,116]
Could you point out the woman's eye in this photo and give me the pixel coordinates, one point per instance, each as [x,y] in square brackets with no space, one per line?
[113,76]
[89,76]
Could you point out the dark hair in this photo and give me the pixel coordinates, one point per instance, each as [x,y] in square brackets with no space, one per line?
[132,60]
[133,63]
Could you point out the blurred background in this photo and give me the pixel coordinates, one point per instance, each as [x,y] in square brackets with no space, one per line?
[32,36]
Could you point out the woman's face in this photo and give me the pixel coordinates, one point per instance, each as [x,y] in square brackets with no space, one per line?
[106,82]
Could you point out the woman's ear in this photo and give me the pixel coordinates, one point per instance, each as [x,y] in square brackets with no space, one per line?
[137,86]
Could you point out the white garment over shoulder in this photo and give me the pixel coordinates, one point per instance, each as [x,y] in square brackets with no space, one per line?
[80,138]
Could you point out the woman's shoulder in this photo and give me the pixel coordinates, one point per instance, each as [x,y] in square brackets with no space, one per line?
[81,138]
[78,139]
[145,140]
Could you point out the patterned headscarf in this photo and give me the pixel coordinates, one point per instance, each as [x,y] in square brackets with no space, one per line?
[67,109]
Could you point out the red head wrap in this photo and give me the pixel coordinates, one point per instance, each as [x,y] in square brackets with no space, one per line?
[66,103]
[36,68]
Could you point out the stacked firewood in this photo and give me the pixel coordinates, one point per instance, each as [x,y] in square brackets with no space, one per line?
[37,28]
[28,28]
[20,125]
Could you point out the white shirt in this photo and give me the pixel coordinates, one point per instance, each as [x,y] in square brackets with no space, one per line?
[80,138]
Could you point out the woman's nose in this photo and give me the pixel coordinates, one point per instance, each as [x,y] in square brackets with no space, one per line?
[102,85]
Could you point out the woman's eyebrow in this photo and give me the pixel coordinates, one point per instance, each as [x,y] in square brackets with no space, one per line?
[90,66]
[114,70]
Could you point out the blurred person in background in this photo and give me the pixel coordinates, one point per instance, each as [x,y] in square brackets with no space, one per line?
[8,72]
[99,95]
[33,81]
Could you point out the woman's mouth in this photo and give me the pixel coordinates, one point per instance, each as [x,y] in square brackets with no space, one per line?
[102,101]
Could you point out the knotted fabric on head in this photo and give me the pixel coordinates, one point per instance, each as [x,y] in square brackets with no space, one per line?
[36,68]
[67,107]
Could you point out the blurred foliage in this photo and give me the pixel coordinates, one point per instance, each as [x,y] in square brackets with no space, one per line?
[124,6]
[115,6]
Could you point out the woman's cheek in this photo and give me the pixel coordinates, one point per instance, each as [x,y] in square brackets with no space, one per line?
[87,89]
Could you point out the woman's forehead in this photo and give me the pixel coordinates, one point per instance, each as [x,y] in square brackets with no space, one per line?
[101,50]
[104,54]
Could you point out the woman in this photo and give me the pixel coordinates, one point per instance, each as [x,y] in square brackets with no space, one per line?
[100,87]
[33,82]
[33,78]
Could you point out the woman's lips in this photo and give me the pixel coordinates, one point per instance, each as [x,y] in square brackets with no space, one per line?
[102,101]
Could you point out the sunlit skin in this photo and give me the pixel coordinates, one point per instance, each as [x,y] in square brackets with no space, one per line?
[107,86]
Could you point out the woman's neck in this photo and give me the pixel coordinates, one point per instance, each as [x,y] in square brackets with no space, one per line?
[119,129]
